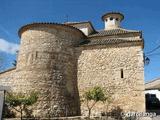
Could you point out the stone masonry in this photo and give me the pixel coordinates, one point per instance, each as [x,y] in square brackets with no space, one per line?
[102,66]
[47,64]
[61,61]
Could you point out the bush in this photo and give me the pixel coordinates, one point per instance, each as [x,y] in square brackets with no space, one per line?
[93,96]
[20,101]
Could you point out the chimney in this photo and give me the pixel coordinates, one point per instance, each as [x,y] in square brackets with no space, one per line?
[112,20]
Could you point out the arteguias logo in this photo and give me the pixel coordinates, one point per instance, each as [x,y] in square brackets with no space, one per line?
[138,114]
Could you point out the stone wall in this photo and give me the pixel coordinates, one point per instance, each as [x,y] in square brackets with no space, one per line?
[102,66]
[86,118]
[7,78]
[47,64]
[50,62]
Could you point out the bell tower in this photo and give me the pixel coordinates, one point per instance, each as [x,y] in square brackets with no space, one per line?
[112,20]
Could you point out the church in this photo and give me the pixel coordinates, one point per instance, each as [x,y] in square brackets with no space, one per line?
[62,61]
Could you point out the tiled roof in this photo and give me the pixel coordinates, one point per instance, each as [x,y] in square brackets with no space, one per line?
[113,32]
[28,26]
[108,41]
[154,84]
[110,13]
[80,24]
[74,23]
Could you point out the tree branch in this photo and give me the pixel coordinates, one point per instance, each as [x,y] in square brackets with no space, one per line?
[93,104]
[14,108]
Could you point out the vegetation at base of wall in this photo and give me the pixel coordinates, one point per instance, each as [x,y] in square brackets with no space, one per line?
[8,113]
[92,96]
[20,101]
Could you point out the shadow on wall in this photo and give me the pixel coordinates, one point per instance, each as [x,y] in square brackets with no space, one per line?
[152,103]
[117,114]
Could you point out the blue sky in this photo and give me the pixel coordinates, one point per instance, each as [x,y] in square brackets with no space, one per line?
[139,15]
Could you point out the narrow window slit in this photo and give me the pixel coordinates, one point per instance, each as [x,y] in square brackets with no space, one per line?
[122,73]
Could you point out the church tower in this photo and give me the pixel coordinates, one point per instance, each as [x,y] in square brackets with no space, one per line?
[112,20]
[62,61]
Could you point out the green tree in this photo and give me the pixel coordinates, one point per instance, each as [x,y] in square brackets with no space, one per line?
[20,101]
[92,96]
[14,63]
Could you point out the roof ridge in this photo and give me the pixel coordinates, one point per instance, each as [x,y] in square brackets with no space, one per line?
[129,29]
[113,32]
[118,29]
[117,39]
[7,70]
[80,22]
[153,80]
[25,27]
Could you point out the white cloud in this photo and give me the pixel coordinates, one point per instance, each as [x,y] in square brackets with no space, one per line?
[8,47]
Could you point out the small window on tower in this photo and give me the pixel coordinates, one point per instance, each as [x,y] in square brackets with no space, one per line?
[111,18]
[122,73]
[117,19]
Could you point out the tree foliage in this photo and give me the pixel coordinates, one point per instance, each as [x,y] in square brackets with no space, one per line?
[20,101]
[20,98]
[92,96]
[95,94]
[14,63]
